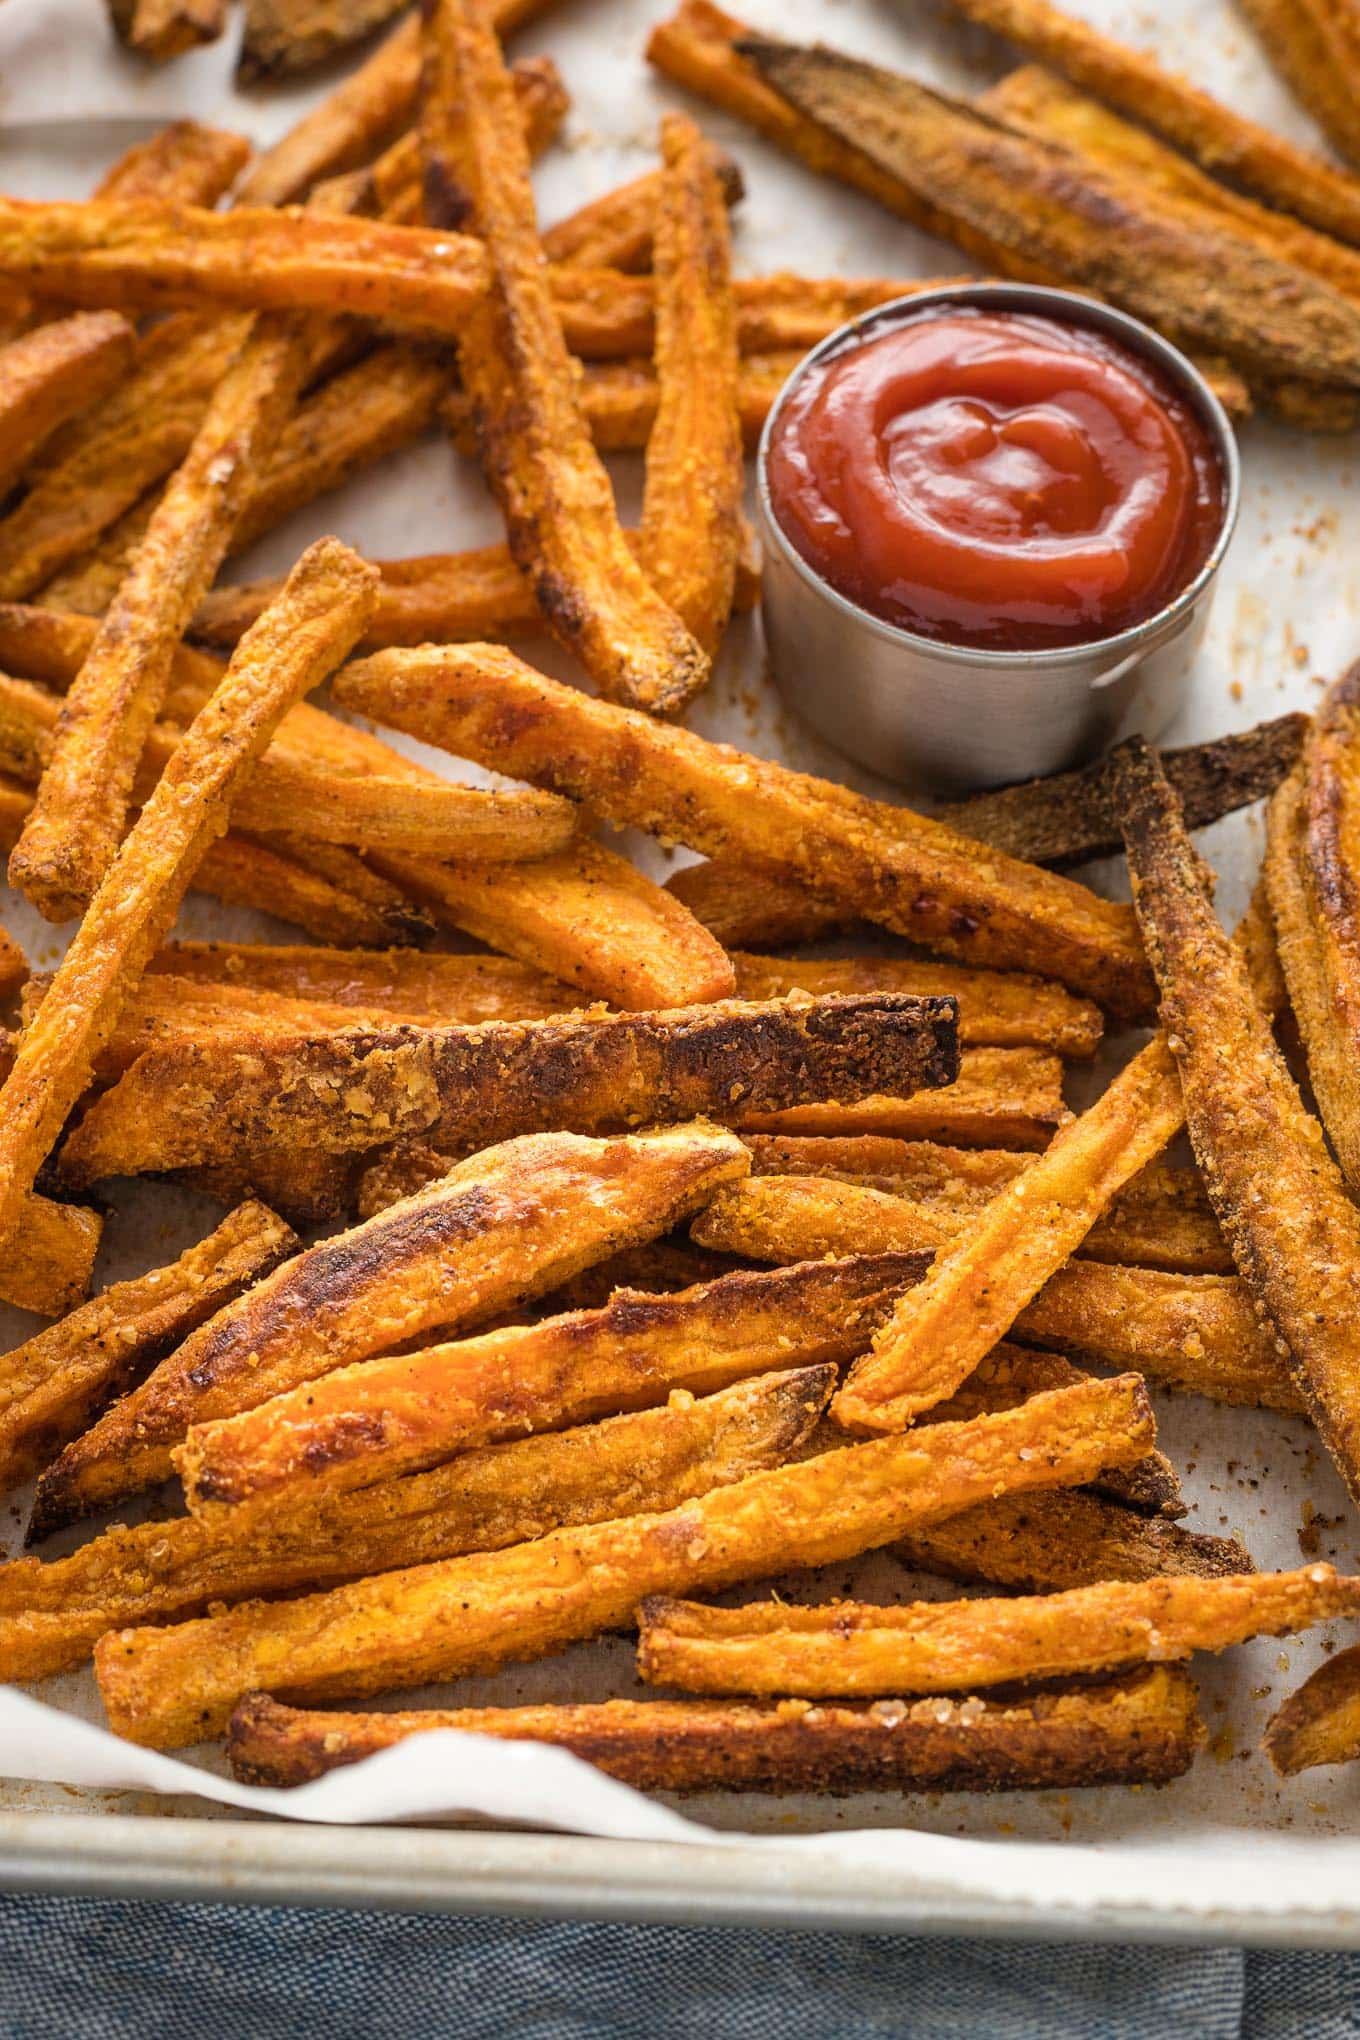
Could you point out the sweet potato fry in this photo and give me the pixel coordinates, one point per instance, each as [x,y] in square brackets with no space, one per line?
[996,1009]
[240,1098]
[398,981]
[284,37]
[534,445]
[1315,46]
[1195,1331]
[909,873]
[1225,142]
[507,1225]
[53,1612]
[609,316]
[72,835]
[853,1650]
[171,1686]
[615,231]
[397,1415]
[242,872]
[48,1265]
[1320,1723]
[288,651]
[691,505]
[161,29]
[185,161]
[1067,1537]
[1143,1730]
[1194,275]
[52,373]
[619,400]
[438,819]
[1002,1097]
[55,1384]
[978,1284]
[1298,1246]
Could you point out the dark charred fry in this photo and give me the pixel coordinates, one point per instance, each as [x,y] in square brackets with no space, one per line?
[1143,1730]
[1044,1543]
[1001,1097]
[284,37]
[1320,1724]
[507,1225]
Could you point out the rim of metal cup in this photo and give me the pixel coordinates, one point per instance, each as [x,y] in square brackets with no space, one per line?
[1071,308]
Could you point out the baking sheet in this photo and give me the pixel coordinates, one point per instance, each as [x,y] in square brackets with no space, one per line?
[1287,614]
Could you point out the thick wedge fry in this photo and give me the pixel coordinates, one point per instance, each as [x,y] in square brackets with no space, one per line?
[283,37]
[161,29]
[1142,1730]
[235,1099]
[1320,1724]
[52,373]
[387,1417]
[996,1009]
[171,1686]
[1223,141]
[55,1384]
[510,1224]
[52,1613]
[1315,46]
[850,1649]
[1279,1197]
[398,981]
[911,874]
[1194,275]
[1002,1097]
[1197,1332]
[691,505]
[1069,1537]
[616,230]
[533,440]
[979,1284]
[291,649]
[78,819]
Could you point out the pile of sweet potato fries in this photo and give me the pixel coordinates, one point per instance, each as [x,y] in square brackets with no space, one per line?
[644,1260]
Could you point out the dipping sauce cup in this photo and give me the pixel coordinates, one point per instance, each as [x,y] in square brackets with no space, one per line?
[914,498]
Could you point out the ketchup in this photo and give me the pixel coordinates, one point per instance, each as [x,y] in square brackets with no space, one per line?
[996,479]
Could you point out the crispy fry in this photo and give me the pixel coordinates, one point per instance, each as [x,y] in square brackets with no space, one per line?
[440,819]
[171,1686]
[907,872]
[1298,1246]
[243,1097]
[534,445]
[386,1417]
[242,872]
[150,256]
[1193,274]
[1195,1331]
[1161,1219]
[507,1225]
[1225,142]
[996,1009]
[619,400]
[53,1612]
[1002,1097]
[185,161]
[978,1284]
[1141,1730]
[691,506]
[1315,46]
[52,373]
[852,1650]
[55,1384]
[70,839]
[615,231]
[1071,1537]
[48,1266]
[398,981]
[1320,1723]
[289,650]
[283,37]
[161,29]
[610,316]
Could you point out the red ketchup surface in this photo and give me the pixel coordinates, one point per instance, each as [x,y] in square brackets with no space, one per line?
[996,479]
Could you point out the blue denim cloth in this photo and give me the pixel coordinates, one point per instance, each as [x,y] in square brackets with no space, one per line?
[93,1969]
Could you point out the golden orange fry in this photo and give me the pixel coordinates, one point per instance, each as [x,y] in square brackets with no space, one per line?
[50,374]
[1320,1723]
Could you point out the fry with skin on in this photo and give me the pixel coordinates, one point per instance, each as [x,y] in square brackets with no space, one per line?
[50,374]
[502,1227]
[397,1415]
[1315,46]
[1141,1730]
[291,649]
[1009,1097]
[1297,1247]
[70,839]
[52,1386]
[532,437]
[1320,1723]
[978,1285]
[1066,1537]
[53,1612]
[166,1687]
[691,504]
[241,1098]
[850,1649]
[996,1009]
[1197,1332]
[911,874]
[161,29]
[284,37]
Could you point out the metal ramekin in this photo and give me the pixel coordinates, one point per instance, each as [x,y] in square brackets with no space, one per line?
[943,717]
